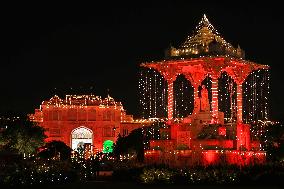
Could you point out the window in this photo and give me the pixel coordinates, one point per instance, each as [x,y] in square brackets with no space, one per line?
[45,115]
[72,114]
[108,132]
[92,115]
[113,115]
[55,115]
[82,114]
[107,116]
[49,113]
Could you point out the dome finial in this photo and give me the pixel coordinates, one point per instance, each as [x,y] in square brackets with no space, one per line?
[205,17]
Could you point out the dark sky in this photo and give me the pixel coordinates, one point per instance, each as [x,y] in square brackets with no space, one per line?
[48,49]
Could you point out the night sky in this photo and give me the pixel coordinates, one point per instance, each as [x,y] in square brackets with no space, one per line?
[49,49]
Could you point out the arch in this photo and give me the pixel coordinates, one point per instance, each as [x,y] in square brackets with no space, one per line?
[207,81]
[81,136]
[108,146]
[183,97]
[153,93]
[227,97]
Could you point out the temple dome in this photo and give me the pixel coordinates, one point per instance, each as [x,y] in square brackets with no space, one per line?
[205,41]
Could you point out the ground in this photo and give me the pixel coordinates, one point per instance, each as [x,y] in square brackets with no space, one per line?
[126,185]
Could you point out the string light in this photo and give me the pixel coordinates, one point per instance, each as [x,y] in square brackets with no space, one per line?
[256,96]
[153,94]
[183,97]
[199,43]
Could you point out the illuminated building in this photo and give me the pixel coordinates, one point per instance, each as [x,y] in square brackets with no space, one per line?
[84,121]
[200,133]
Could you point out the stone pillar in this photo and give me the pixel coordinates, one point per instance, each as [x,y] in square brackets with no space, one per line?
[239,103]
[215,99]
[170,98]
[196,100]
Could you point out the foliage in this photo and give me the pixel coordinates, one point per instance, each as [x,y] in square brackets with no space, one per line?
[131,143]
[120,146]
[226,174]
[273,141]
[211,175]
[156,175]
[127,171]
[108,146]
[24,172]
[31,172]
[22,136]
[54,149]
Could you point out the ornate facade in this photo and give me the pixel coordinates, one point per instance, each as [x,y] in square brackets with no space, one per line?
[81,120]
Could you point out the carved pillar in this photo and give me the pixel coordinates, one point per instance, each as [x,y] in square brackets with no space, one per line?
[239,75]
[239,103]
[169,73]
[215,99]
[170,98]
[196,100]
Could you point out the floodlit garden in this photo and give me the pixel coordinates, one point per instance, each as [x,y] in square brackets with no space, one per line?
[27,161]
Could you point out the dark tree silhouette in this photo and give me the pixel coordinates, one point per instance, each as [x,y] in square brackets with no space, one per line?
[56,149]
[273,141]
[132,142]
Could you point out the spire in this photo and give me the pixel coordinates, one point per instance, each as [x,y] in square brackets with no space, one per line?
[205,23]
[108,93]
[204,41]
[204,34]
[204,17]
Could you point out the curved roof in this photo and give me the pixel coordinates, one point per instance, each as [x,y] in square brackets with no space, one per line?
[204,34]
[204,41]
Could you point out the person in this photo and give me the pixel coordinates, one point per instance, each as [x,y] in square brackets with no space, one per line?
[204,99]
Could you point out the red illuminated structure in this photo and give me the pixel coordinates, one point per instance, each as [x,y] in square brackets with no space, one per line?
[205,54]
[86,120]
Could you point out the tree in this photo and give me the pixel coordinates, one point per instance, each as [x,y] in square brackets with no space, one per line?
[132,142]
[54,149]
[272,141]
[22,136]
[120,146]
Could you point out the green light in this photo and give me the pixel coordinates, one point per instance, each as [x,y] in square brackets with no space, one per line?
[108,146]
